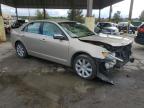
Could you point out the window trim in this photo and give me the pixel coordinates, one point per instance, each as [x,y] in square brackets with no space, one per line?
[26,26]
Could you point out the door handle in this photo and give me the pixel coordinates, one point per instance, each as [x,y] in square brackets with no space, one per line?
[43,40]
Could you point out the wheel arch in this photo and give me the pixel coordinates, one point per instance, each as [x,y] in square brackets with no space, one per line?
[25,53]
[77,54]
[18,41]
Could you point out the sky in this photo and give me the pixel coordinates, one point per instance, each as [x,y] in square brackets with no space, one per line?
[122,6]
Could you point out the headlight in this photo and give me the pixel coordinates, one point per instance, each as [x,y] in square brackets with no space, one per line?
[111,56]
[105,54]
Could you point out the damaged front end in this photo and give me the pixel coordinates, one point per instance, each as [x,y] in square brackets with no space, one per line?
[118,57]
[120,53]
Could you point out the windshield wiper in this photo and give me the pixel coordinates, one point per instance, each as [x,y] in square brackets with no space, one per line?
[75,37]
[79,37]
[90,34]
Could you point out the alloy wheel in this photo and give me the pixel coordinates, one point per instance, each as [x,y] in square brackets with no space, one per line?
[20,50]
[83,68]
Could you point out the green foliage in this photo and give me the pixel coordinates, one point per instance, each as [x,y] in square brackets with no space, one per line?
[117,17]
[40,15]
[75,15]
[142,16]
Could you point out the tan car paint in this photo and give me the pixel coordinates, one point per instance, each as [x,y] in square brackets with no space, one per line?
[59,51]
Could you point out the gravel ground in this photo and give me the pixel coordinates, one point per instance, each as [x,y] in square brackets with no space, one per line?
[36,83]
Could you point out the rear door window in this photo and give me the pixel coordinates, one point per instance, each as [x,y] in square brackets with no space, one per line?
[33,28]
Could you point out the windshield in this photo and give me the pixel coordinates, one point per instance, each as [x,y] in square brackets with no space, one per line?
[106,25]
[76,30]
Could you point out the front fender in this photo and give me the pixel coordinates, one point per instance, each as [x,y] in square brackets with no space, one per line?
[93,50]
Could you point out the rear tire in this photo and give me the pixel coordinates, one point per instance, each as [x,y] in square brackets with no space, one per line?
[21,50]
[85,67]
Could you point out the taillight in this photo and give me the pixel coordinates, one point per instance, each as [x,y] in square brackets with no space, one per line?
[141,30]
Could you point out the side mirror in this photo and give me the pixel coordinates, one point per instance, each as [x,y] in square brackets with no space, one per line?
[59,36]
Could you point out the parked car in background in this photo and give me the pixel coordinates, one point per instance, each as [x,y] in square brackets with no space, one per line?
[18,23]
[140,35]
[106,28]
[136,23]
[74,45]
[123,27]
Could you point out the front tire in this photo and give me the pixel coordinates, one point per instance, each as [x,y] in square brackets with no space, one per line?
[21,50]
[85,67]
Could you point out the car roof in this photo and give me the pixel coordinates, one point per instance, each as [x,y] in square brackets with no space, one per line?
[105,22]
[122,22]
[49,20]
[53,20]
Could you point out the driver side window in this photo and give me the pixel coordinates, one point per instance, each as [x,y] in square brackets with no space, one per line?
[49,29]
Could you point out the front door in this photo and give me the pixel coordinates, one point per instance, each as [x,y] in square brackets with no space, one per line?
[56,50]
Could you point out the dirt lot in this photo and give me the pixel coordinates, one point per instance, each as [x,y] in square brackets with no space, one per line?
[36,83]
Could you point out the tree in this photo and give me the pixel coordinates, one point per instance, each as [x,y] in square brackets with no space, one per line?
[142,16]
[117,16]
[40,15]
[75,15]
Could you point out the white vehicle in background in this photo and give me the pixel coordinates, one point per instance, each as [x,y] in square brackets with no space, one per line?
[107,28]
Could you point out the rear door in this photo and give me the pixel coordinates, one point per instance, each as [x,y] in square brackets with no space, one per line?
[32,37]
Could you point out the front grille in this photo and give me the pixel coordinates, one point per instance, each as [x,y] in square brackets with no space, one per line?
[124,52]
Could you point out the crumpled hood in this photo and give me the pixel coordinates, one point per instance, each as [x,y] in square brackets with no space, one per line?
[108,39]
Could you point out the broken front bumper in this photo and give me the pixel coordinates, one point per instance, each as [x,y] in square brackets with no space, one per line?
[122,55]
[115,60]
